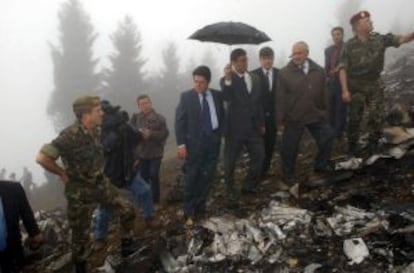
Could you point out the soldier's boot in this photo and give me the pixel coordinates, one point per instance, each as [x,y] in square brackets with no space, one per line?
[374,146]
[128,246]
[353,149]
[80,267]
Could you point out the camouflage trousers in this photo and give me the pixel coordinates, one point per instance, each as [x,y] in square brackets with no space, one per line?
[366,97]
[82,199]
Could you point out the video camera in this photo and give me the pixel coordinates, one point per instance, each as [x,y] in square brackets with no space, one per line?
[109,109]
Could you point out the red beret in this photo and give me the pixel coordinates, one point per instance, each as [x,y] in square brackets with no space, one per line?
[358,16]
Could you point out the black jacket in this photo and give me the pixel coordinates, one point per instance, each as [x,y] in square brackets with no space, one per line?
[245,110]
[119,141]
[269,97]
[16,207]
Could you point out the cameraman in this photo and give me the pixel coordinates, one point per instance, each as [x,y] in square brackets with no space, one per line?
[119,141]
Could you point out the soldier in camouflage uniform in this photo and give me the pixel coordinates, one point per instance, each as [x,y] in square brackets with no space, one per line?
[360,66]
[79,147]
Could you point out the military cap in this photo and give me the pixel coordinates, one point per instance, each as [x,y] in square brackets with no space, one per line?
[358,16]
[85,103]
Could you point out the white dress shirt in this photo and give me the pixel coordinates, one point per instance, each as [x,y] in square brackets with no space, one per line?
[247,80]
[305,67]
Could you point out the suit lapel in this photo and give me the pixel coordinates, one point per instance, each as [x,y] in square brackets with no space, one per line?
[195,101]
[238,80]
[274,83]
[216,103]
[254,84]
[264,80]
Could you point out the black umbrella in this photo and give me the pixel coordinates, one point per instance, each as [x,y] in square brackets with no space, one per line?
[230,33]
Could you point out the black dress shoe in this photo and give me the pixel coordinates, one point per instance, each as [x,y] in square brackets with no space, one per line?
[249,191]
[266,176]
[328,168]
[80,267]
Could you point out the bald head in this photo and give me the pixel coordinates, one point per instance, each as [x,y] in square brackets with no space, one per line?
[300,52]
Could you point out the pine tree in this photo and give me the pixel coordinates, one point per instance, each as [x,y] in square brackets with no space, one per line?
[124,81]
[171,84]
[74,65]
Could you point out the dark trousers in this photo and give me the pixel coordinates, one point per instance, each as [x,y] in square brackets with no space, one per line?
[200,167]
[253,142]
[11,261]
[324,138]
[150,171]
[269,139]
[338,109]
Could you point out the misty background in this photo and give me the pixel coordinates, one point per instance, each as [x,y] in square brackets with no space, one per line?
[53,51]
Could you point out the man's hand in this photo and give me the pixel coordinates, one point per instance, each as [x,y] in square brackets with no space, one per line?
[146,133]
[346,96]
[227,72]
[64,177]
[38,238]
[182,153]
[280,127]
[50,164]
[35,242]
[262,130]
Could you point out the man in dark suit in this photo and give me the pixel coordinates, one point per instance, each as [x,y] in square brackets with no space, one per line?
[198,129]
[245,124]
[14,206]
[268,77]
[337,108]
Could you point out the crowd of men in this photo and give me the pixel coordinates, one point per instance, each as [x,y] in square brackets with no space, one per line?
[112,162]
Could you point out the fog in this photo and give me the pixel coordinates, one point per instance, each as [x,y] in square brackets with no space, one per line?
[28,27]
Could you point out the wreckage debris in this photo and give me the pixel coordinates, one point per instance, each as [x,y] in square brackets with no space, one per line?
[356,250]
[315,232]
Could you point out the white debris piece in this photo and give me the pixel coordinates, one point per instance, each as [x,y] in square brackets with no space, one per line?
[222,224]
[111,264]
[409,268]
[285,217]
[311,268]
[106,268]
[274,229]
[346,219]
[168,262]
[398,135]
[353,163]
[356,250]
[217,258]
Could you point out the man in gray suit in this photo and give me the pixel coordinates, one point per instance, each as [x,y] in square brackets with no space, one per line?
[245,124]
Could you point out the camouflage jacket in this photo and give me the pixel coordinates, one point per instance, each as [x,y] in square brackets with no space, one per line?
[81,153]
[364,60]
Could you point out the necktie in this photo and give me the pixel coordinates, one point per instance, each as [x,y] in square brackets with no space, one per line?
[244,84]
[269,80]
[207,127]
